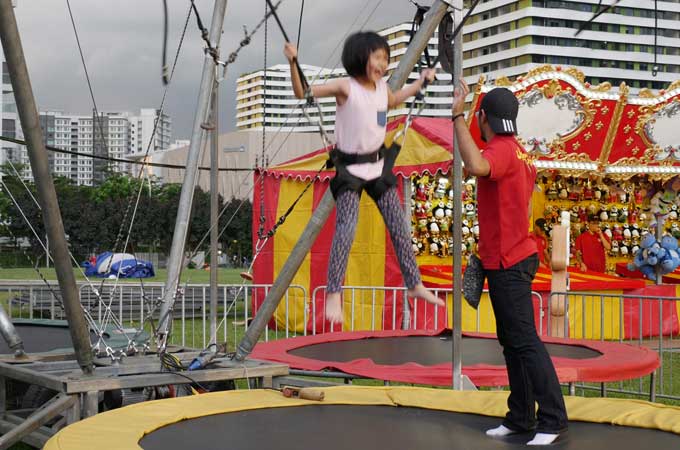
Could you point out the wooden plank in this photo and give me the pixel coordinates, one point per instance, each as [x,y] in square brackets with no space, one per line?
[159,379]
[38,438]
[31,377]
[3,395]
[73,414]
[41,416]
[90,403]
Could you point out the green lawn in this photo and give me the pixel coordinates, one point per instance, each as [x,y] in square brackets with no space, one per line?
[225,276]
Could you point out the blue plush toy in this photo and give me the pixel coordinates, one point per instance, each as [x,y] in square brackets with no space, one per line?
[653,255]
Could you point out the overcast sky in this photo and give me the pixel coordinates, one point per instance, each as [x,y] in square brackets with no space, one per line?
[122,42]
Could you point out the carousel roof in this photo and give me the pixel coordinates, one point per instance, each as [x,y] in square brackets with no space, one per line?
[573,127]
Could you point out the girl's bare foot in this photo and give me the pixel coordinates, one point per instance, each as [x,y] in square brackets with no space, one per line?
[333,307]
[420,291]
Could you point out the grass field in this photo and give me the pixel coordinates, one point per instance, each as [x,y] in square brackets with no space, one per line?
[225,276]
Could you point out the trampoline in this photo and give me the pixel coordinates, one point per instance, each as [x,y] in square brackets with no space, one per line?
[53,336]
[361,417]
[424,357]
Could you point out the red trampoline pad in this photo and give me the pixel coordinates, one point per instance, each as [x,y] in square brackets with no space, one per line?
[424,357]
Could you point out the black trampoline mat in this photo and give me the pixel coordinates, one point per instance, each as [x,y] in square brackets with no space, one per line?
[41,338]
[335,427]
[424,350]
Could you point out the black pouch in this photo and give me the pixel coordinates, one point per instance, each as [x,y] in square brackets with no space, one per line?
[473,281]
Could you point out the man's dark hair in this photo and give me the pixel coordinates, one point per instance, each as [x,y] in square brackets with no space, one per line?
[358,47]
[540,223]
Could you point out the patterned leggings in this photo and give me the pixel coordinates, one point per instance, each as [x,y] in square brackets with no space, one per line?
[347,213]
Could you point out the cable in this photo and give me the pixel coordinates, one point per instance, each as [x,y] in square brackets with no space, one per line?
[89,84]
[164,69]
[655,67]
[129,161]
[302,9]
[601,10]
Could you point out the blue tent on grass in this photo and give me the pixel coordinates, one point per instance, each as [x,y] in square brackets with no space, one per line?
[121,265]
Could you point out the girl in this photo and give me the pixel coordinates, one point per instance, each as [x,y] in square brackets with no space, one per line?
[361,115]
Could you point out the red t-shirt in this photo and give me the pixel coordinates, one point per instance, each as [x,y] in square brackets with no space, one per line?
[503,204]
[592,251]
[541,245]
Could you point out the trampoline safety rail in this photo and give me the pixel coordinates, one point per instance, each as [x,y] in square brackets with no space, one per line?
[638,320]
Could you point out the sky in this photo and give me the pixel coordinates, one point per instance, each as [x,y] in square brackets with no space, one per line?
[122,46]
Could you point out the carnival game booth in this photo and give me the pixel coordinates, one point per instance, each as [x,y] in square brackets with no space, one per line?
[599,152]
[606,153]
[372,263]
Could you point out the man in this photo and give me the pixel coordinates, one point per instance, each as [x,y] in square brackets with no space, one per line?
[591,245]
[539,236]
[505,180]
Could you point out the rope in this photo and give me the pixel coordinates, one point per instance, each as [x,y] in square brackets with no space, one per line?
[299,120]
[303,79]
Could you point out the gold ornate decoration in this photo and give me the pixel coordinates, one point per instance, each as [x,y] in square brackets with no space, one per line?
[635,150]
[674,85]
[576,145]
[599,125]
[614,125]
[602,87]
[646,93]
[629,141]
[540,70]
[605,110]
[647,117]
[503,81]
[574,72]
[589,110]
[475,99]
[627,129]
[587,136]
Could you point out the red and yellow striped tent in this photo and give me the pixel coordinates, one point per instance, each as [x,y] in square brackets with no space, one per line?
[426,149]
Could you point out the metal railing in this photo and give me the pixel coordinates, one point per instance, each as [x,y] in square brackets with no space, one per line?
[650,321]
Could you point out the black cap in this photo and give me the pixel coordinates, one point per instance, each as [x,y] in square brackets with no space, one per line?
[500,106]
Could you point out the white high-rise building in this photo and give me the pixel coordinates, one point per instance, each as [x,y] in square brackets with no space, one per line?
[68,132]
[142,129]
[280,108]
[9,120]
[505,39]
[509,38]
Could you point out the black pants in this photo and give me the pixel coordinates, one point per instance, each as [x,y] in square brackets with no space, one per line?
[530,370]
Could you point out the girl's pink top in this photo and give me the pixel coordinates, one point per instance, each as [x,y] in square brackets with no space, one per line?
[360,126]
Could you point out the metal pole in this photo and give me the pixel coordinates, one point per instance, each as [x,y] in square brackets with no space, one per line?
[214,205]
[176,259]
[457,168]
[28,114]
[9,333]
[311,231]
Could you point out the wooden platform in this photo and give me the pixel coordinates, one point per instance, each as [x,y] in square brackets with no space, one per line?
[78,394]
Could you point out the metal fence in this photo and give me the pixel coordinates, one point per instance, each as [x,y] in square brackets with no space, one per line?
[649,321]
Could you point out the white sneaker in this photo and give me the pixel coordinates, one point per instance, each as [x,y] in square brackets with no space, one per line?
[543,439]
[499,431]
